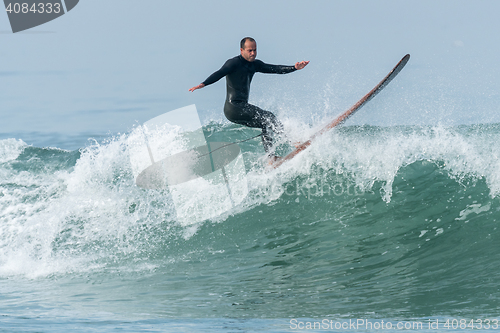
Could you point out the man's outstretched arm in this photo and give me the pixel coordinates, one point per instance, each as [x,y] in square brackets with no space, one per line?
[279,69]
[216,76]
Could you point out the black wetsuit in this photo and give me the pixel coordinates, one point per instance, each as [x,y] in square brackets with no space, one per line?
[239,73]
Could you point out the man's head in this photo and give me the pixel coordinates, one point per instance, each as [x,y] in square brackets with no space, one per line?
[248,48]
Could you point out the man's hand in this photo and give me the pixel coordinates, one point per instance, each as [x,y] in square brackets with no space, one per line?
[201,85]
[301,64]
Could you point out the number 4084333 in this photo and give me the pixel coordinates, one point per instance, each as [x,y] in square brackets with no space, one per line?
[35,8]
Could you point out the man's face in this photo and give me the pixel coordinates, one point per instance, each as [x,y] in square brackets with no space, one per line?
[249,53]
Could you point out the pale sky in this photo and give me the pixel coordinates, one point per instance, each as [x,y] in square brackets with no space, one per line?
[110,64]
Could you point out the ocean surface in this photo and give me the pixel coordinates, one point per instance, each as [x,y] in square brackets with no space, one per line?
[379,225]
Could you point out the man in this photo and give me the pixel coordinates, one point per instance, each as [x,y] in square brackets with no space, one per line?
[239,72]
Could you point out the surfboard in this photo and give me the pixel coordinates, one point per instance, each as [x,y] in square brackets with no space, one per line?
[344,116]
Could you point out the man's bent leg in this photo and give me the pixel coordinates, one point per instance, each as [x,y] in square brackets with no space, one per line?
[253,116]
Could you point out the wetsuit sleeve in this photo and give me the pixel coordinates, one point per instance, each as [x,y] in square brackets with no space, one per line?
[223,71]
[262,67]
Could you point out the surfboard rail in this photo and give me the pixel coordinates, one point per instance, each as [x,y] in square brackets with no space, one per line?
[349,112]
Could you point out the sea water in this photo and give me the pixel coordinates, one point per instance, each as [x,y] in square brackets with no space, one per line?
[369,226]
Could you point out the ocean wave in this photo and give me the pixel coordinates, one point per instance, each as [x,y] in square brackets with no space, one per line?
[63,212]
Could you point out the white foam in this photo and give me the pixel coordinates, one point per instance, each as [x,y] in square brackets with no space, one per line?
[10,149]
[377,155]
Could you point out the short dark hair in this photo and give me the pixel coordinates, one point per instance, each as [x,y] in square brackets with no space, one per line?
[243,41]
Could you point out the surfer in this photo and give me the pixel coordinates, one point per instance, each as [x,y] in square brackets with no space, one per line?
[239,72]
